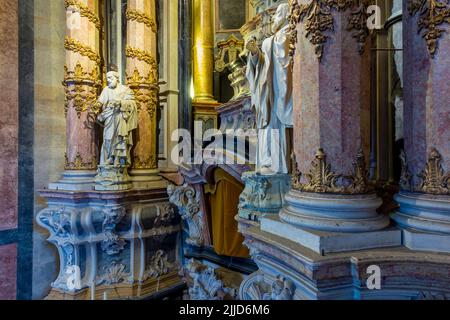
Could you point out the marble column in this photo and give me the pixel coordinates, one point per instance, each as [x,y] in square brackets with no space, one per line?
[331,197]
[424,212]
[142,77]
[82,84]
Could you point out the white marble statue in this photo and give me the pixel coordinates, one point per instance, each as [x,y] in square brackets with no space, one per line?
[269,72]
[119,115]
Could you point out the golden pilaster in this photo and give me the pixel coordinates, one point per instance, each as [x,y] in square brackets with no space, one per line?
[203,51]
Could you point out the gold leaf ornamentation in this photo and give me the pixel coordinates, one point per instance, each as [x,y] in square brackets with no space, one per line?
[432,15]
[84,50]
[150,163]
[145,90]
[79,164]
[84,12]
[141,55]
[318,19]
[321,178]
[434,178]
[141,17]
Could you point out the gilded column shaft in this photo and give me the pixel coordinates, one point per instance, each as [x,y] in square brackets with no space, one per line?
[203,64]
[142,77]
[82,82]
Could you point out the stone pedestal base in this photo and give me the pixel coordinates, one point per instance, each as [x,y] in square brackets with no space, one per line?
[425,220]
[123,291]
[301,274]
[147,179]
[111,178]
[80,180]
[328,223]
[334,213]
[262,195]
[324,242]
[111,240]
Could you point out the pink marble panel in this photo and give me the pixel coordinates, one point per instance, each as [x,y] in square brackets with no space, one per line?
[426,96]
[331,98]
[8,272]
[9,103]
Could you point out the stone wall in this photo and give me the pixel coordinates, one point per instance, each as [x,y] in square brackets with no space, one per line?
[49,143]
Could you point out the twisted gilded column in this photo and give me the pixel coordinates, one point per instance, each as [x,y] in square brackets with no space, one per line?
[142,77]
[424,212]
[331,197]
[82,83]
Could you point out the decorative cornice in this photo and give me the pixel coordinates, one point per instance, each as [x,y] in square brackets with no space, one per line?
[141,55]
[318,19]
[141,17]
[432,14]
[321,179]
[84,50]
[84,12]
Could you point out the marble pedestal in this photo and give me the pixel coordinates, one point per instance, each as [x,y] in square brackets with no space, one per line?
[328,223]
[303,274]
[263,194]
[425,220]
[147,179]
[75,180]
[112,245]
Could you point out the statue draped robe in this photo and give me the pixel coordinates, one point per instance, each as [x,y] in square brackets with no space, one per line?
[119,123]
[270,76]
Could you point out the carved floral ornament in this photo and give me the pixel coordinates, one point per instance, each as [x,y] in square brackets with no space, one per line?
[434,179]
[81,89]
[145,91]
[432,15]
[141,17]
[321,178]
[318,21]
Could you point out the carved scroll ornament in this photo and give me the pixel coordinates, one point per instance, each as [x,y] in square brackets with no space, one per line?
[318,19]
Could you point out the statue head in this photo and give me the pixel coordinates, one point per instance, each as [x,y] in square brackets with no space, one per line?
[280,18]
[113,79]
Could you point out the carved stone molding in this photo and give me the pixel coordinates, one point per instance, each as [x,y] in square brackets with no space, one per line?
[113,244]
[159,266]
[434,179]
[432,15]
[188,204]
[321,178]
[260,287]
[318,18]
[203,282]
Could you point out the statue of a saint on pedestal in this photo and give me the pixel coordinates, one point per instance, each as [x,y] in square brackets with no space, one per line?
[269,72]
[119,118]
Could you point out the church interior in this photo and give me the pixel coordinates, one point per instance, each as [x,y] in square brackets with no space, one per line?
[225,150]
